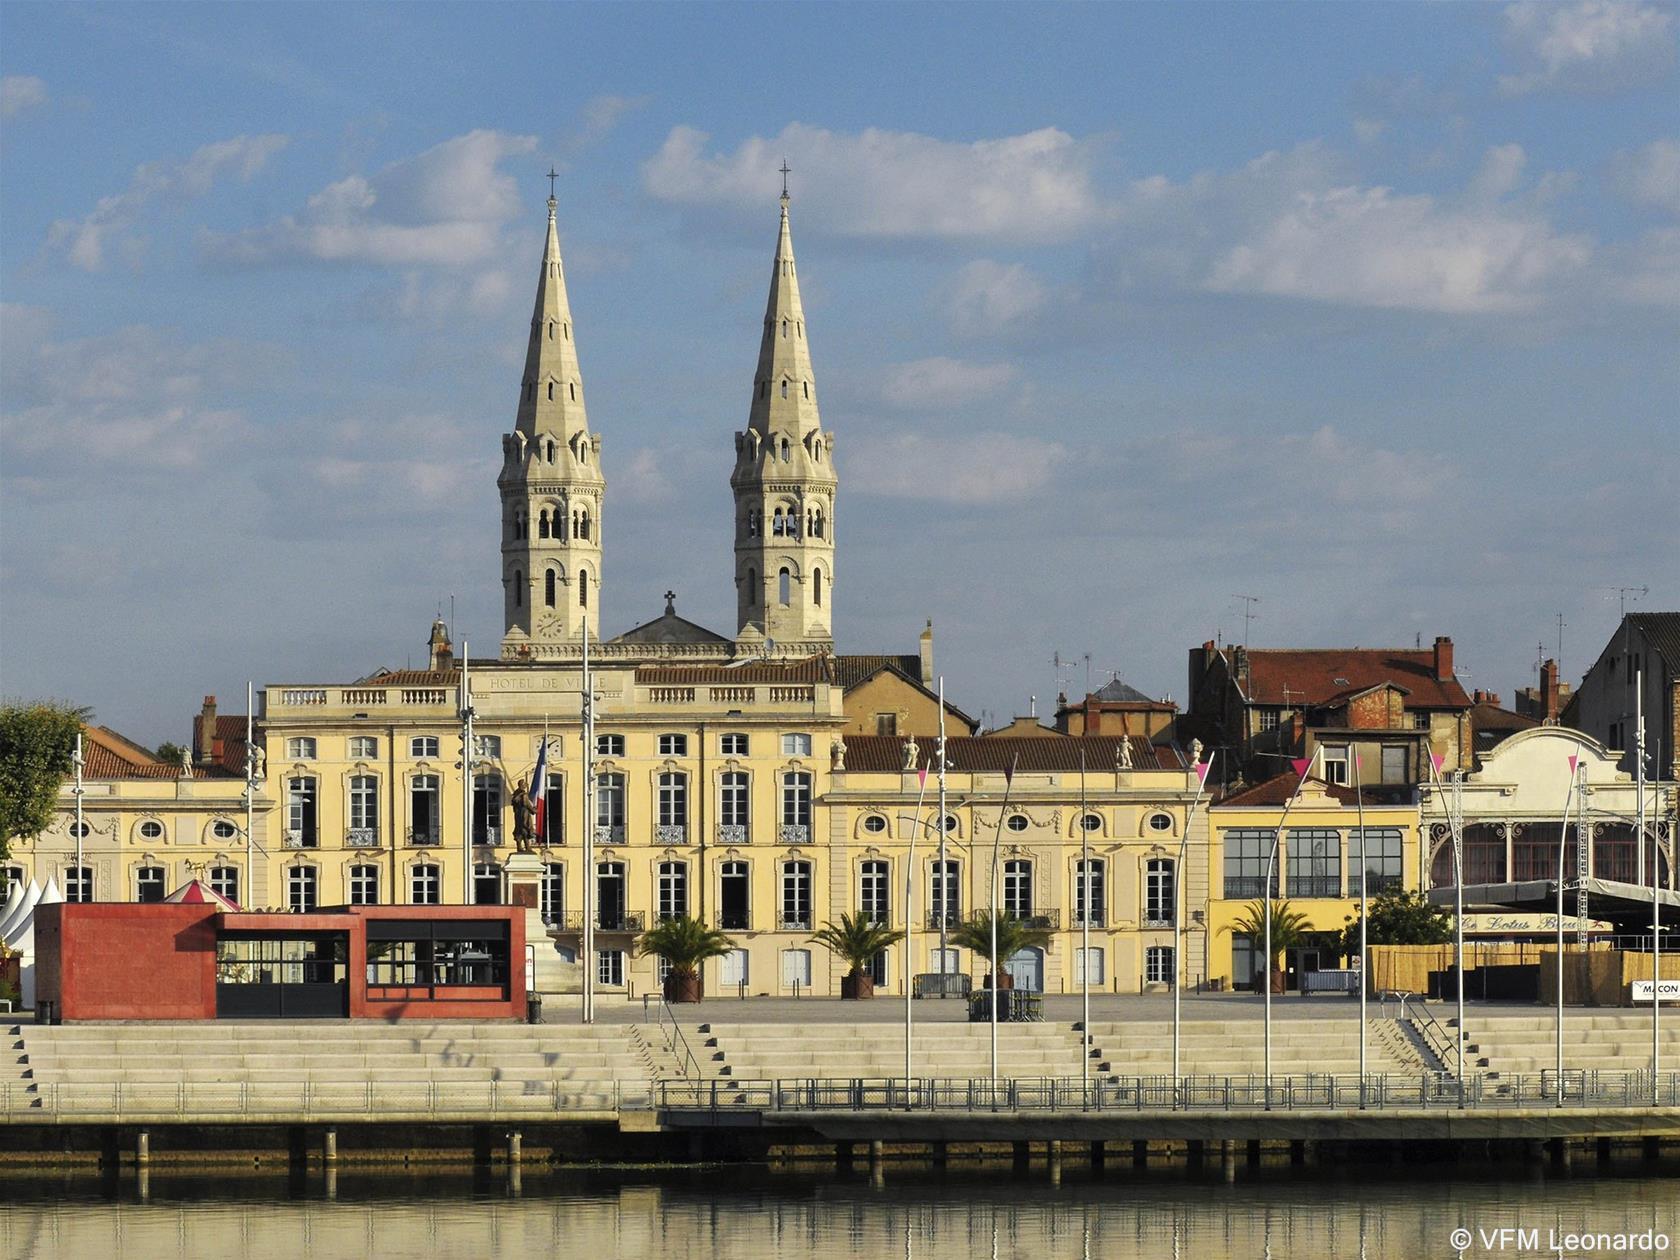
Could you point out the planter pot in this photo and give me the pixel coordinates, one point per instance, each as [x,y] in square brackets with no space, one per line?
[681,988]
[857,986]
[1280,982]
[1007,981]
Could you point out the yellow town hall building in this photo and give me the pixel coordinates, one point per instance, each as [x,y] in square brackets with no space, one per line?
[762,782]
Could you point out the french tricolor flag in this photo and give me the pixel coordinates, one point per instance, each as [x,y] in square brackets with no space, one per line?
[538,794]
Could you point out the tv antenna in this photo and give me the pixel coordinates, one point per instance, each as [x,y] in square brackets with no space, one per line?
[1249,614]
[1638,593]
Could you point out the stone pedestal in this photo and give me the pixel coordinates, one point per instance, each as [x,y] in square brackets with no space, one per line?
[522,874]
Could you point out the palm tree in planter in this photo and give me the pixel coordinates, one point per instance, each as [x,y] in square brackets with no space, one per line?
[1013,935]
[857,938]
[684,944]
[1289,929]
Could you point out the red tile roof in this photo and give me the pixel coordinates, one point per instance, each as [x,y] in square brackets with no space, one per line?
[1316,676]
[108,755]
[994,754]
[1278,791]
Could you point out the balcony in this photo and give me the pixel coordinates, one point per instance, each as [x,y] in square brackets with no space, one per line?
[487,837]
[610,835]
[1097,918]
[1038,917]
[628,921]
[1156,922]
[425,836]
[361,838]
[735,921]
[299,840]
[796,833]
[671,833]
[944,919]
[732,833]
[1247,887]
[786,922]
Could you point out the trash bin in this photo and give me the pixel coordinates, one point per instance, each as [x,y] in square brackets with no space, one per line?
[533,1008]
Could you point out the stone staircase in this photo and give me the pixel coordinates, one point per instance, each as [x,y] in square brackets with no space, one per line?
[1237,1047]
[875,1051]
[1505,1045]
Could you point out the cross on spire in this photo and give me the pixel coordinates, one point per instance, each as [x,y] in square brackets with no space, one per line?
[552,176]
[670,602]
[785,171]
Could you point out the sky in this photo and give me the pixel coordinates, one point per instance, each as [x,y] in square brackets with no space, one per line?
[1118,313]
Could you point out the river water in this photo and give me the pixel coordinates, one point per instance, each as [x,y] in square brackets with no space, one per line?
[727,1213]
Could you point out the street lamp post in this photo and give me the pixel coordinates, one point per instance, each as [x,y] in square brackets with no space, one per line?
[1201,769]
[1303,767]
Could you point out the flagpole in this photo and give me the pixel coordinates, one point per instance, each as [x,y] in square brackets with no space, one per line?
[1563,843]
[1455,823]
[997,976]
[943,908]
[587,945]
[250,889]
[1266,885]
[1084,937]
[910,926]
[467,762]
[1364,910]
[1201,769]
[1655,857]
[78,790]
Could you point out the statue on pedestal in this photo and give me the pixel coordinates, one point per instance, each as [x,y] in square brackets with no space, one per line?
[522,834]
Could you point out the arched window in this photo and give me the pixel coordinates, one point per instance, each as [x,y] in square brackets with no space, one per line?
[784,589]
[784,388]
[752,588]
[575,533]
[583,588]
[518,589]
[551,390]
[566,331]
[784,330]
[571,388]
[551,338]
[551,450]
[548,588]
[521,529]
[583,452]
[778,524]
[583,532]
[817,531]
[542,523]
[786,450]
[755,522]
[807,386]
[816,587]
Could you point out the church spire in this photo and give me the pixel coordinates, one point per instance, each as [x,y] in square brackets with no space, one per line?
[784,480]
[550,483]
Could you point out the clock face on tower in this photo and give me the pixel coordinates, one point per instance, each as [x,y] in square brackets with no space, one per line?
[548,623]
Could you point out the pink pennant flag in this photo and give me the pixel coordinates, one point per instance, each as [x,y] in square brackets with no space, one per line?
[1573,761]
[921,777]
[1301,764]
[1437,760]
[1202,768]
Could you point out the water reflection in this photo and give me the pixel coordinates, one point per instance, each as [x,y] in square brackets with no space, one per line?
[723,1214]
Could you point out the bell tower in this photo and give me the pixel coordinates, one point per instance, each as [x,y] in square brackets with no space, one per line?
[784,482]
[551,484]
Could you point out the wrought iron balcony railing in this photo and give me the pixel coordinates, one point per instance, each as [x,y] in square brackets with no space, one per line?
[361,838]
[796,833]
[424,837]
[606,921]
[732,833]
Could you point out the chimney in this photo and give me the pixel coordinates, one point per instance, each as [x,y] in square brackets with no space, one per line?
[1549,698]
[438,650]
[1443,659]
[927,654]
[204,733]
[1239,657]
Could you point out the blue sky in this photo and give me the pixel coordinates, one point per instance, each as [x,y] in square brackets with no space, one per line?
[1117,312]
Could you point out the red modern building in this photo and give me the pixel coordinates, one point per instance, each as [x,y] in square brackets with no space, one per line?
[183,961]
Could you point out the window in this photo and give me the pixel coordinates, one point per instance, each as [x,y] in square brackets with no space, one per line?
[487,808]
[734,897]
[1314,857]
[301,814]
[784,587]
[583,574]
[874,824]
[944,895]
[151,829]
[423,746]
[1245,961]
[1158,964]
[1245,863]
[80,831]
[425,885]
[1394,764]
[222,829]
[874,892]
[673,745]
[1269,719]
[78,883]
[225,880]
[1160,822]
[300,748]
[1089,966]
[796,897]
[1018,887]
[487,884]
[1016,822]
[796,969]
[488,747]
[423,817]
[796,799]
[364,746]
[733,809]
[1159,892]
[364,885]
[301,889]
[796,745]
[1380,850]
[1336,764]
[518,589]
[610,912]
[609,745]
[733,745]
[609,967]
[886,724]
[1420,721]
[551,893]
[1090,906]
[609,802]
[673,802]
[1090,822]
[364,805]
[550,582]
[816,587]
[554,811]
[671,890]
[148,884]
[949,826]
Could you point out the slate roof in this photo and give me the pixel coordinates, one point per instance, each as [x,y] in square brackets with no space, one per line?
[1662,632]
[670,628]
[994,754]
[1117,692]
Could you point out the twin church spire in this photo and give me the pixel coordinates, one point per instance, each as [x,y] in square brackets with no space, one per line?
[552,487]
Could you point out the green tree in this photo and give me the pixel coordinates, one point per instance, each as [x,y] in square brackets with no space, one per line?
[857,938]
[1400,918]
[169,752]
[37,742]
[684,944]
[1289,927]
[1013,935]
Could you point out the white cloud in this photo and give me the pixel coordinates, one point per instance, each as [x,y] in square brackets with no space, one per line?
[1651,176]
[1589,46]
[988,297]
[894,184]
[85,240]
[19,92]
[643,479]
[975,469]
[443,207]
[939,383]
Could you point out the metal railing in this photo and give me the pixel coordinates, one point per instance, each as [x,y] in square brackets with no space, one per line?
[1442,1044]
[622,921]
[1312,1092]
[675,1042]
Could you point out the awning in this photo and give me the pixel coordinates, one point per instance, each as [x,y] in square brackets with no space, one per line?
[1626,907]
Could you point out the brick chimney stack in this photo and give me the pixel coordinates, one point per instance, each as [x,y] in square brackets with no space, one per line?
[204,733]
[1443,658]
[1550,699]
[927,654]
